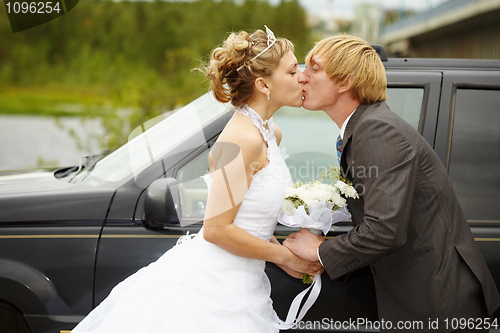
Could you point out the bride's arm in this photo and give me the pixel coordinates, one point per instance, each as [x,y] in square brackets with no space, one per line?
[231,180]
[289,271]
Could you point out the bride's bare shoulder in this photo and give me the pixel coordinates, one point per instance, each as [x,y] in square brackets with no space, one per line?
[242,131]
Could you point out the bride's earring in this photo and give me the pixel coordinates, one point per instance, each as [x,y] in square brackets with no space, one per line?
[268,92]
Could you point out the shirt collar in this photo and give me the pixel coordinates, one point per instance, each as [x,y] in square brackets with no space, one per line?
[344,125]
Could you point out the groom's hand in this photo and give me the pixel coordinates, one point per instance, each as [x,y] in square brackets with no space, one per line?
[305,244]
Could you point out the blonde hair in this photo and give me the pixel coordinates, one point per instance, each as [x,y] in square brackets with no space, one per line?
[232,71]
[349,56]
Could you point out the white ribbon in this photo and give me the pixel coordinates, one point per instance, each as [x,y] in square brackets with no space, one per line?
[292,318]
[320,217]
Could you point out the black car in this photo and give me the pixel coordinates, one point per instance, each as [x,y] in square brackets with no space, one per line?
[68,237]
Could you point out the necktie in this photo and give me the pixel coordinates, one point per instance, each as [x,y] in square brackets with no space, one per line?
[339,146]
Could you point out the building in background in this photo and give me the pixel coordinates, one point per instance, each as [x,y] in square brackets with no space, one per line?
[367,22]
[443,29]
[454,29]
[326,23]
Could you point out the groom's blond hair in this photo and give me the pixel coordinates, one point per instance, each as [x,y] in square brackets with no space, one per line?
[347,56]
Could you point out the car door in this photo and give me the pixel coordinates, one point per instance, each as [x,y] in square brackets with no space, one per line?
[468,142]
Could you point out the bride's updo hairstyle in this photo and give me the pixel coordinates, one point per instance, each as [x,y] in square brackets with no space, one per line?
[236,65]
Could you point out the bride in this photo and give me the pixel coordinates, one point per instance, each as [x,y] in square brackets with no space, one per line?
[216,282]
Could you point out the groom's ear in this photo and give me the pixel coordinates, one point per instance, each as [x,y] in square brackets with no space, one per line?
[348,84]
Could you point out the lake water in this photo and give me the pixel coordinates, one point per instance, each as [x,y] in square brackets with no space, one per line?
[30,141]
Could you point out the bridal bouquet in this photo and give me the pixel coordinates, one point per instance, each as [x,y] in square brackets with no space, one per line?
[315,205]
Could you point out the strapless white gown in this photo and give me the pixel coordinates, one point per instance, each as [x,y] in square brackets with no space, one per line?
[197,286]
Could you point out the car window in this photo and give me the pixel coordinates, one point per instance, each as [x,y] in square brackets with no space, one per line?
[474,161]
[192,188]
[407,103]
[309,139]
[309,136]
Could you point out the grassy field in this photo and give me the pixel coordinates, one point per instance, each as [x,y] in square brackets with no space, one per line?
[52,102]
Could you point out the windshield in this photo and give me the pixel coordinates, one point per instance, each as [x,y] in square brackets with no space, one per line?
[155,139]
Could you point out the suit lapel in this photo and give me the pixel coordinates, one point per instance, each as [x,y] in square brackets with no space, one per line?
[351,125]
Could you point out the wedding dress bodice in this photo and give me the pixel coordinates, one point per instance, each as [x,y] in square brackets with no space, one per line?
[259,210]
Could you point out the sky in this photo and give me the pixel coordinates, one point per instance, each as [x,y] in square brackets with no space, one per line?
[345,8]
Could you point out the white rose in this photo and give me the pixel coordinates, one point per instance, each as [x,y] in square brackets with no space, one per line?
[305,195]
[338,200]
[290,191]
[288,207]
[347,190]
[324,192]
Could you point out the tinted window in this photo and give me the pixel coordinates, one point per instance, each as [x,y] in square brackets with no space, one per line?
[309,138]
[407,103]
[475,153]
[192,188]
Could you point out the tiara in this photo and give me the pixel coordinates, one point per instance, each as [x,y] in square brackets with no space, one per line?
[270,42]
[271,39]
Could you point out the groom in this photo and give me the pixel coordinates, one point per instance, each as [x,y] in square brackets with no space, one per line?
[408,225]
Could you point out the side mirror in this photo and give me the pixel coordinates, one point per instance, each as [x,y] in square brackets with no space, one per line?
[381,52]
[162,205]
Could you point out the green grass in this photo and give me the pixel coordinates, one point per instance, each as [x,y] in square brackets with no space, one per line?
[51,102]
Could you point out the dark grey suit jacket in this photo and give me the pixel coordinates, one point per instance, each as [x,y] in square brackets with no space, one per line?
[408,226]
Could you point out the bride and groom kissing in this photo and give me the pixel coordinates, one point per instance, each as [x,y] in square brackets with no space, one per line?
[408,225]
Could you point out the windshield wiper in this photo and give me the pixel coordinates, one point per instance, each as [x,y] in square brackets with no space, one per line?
[88,163]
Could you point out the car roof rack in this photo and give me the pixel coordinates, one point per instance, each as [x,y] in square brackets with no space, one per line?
[381,52]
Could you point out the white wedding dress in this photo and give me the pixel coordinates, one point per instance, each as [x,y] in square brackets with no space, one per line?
[197,286]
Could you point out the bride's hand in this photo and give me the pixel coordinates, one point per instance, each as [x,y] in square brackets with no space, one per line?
[291,272]
[299,265]
[295,265]
[304,243]
[295,274]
